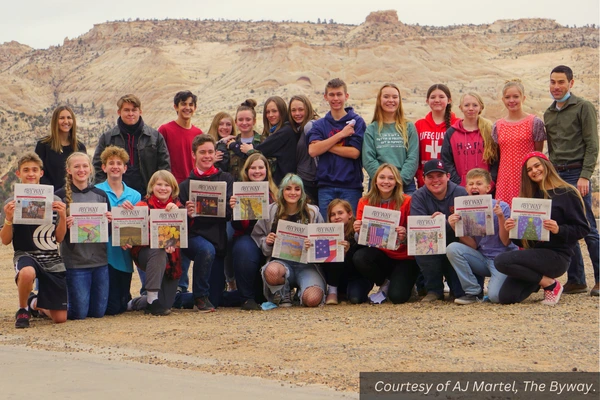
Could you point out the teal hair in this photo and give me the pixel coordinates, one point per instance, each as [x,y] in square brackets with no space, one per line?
[293,179]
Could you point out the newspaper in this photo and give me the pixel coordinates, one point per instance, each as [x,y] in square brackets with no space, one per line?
[168,229]
[33,204]
[325,242]
[378,228]
[251,200]
[529,215]
[426,235]
[289,243]
[130,227]
[208,198]
[476,215]
[90,224]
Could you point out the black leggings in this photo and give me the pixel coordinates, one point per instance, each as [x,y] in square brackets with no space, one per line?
[376,266]
[525,269]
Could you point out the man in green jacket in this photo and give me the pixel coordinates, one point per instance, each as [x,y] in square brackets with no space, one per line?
[572,130]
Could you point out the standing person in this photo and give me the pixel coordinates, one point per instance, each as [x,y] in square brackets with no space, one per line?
[475,255]
[517,134]
[394,271]
[146,147]
[245,120]
[207,236]
[572,127]
[178,135]
[302,117]
[87,263]
[437,197]
[390,138]
[120,265]
[162,266]
[337,140]
[280,139]
[222,129]
[468,143]
[433,127]
[281,276]
[246,255]
[58,145]
[540,263]
[34,258]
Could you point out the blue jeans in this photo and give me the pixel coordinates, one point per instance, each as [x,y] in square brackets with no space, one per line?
[247,259]
[576,272]
[203,253]
[119,291]
[184,281]
[87,290]
[467,262]
[328,193]
[434,268]
[297,275]
[410,188]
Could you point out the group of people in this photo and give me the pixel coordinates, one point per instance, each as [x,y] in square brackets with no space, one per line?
[314,169]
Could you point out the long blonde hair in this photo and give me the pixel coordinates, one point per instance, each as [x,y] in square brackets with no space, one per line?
[69,177]
[214,126]
[374,196]
[490,147]
[249,161]
[400,120]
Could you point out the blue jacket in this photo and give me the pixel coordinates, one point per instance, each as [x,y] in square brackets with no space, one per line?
[333,170]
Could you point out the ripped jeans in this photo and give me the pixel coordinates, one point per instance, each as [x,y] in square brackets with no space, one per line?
[297,275]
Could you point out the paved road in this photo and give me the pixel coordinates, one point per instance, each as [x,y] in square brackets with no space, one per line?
[36,374]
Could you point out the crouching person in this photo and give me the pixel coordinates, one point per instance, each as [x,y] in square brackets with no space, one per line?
[281,276]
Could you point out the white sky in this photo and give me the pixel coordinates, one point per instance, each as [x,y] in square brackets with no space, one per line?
[42,23]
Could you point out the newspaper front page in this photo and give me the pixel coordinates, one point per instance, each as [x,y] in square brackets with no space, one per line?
[325,240]
[426,235]
[529,215]
[289,241]
[378,228]
[33,204]
[90,224]
[208,198]
[476,215]
[168,229]
[130,227]
[251,200]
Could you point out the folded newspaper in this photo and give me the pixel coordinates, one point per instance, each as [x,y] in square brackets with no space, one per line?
[33,204]
[208,198]
[251,200]
[289,241]
[90,224]
[378,228]
[529,215]
[426,235]
[130,227]
[168,229]
[476,215]
[325,240]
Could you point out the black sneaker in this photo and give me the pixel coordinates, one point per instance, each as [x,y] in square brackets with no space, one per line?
[468,299]
[203,305]
[22,318]
[34,313]
[250,305]
[156,309]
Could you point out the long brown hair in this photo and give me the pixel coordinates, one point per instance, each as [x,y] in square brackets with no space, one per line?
[348,226]
[283,115]
[54,138]
[249,161]
[400,120]
[309,115]
[374,197]
[448,110]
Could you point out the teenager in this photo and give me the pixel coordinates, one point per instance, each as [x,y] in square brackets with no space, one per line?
[247,257]
[222,129]
[572,128]
[433,127]
[120,265]
[474,256]
[281,276]
[540,263]
[58,145]
[207,236]
[162,266]
[390,138]
[245,120]
[87,263]
[468,143]
[302,116]
[146,147]
[36,252]
[280,142]
[337,140]
[394,271]
[179,133]
[518,134]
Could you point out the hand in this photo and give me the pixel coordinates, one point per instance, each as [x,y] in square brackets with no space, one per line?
[190,208]
[232,201]
[70,220]
[453,219]
[551,225]
[109,216]
[307,244]
[127,247]
[58,206]
[345,244]
[357,225]
[435,214]
[270,240]
[498,210]
[246,147]
[9,209]
[169,249]
[218,155]
[347,131]
[229,143]
[171,206]
[127,205]
[509,224]
[583,185]
[401,231]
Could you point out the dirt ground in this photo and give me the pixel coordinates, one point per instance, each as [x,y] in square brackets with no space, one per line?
[330,345]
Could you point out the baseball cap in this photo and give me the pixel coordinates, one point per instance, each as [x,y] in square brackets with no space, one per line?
[434,165]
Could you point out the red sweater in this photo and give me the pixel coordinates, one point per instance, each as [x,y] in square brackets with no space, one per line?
[179,143]
[401,253]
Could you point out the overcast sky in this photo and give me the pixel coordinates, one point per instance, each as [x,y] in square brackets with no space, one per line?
[42,23]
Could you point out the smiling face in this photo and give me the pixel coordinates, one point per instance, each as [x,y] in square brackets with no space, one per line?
[185,109]
[477,185]
[336,98]
[162,190]
[80,169]
[297,111]
[245,121]
[65,121]
[339,214]
[560,85]
[204,157]
[437,183]
[386,182]
[114,168]
[30,172]
[257,172]
[130,114]
[225,127]
[438,101]
[390,100]
[292,194]
[535,170]
[272,113]
[470,107]
[513,99]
